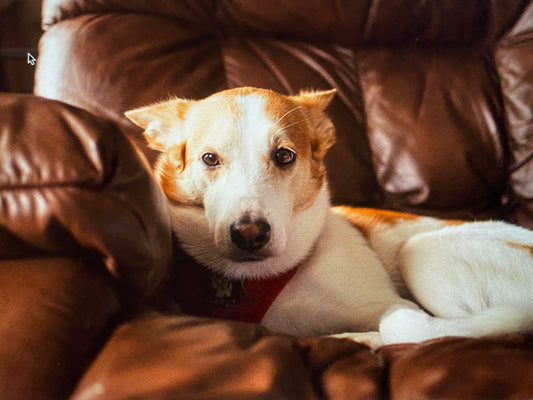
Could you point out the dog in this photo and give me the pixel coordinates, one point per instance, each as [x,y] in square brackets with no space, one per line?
[246,184]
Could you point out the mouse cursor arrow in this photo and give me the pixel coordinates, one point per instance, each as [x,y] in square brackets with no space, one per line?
[31,59]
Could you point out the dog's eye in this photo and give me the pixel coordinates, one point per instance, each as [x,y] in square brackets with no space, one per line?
[210,159]
[284,157]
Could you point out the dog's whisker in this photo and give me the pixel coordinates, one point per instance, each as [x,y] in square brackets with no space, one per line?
[294,123]
[287,113]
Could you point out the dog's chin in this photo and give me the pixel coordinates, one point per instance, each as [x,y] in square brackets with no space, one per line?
[247,258]
[238,264]
[246,265]
[249,269]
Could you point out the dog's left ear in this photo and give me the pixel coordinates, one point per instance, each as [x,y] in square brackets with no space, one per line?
[316,100]
[315,103]
[161,122]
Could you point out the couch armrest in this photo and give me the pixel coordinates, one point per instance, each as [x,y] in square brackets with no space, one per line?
[83,227]
[72,184]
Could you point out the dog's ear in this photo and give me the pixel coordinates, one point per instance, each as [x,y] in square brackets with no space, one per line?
[161,122]
[315,103]
[316,100]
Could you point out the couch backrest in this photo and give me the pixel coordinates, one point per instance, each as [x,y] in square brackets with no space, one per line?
[434,112]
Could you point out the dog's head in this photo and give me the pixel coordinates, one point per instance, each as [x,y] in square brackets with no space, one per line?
[243,170]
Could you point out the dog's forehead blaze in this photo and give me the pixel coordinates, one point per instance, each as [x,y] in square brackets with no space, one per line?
[217,116]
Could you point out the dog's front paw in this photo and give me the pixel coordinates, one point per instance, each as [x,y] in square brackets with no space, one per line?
[401,325]
[370,339]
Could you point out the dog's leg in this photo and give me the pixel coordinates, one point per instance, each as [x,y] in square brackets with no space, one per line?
[342,287]
[475,279]
[409,325]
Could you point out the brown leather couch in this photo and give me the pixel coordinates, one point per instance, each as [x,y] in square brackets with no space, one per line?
[434,115]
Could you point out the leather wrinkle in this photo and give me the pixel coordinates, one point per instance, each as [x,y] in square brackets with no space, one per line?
[50,185]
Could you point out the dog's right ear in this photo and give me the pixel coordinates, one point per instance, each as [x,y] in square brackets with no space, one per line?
[162,122]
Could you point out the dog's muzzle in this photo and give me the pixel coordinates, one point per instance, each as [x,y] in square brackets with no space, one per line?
[250,235]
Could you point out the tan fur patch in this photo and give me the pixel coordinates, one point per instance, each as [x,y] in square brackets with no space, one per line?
[300,125]
[368,219]
[310,133]
[168,167]
[453,222]
[520,246]
[292,121]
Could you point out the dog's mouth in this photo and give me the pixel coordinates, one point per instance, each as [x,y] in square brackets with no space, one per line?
[246,257]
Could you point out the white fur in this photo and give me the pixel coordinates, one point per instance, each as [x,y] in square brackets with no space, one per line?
[475,279]
[467,276]
[247,186]
[193,230]
[341,287]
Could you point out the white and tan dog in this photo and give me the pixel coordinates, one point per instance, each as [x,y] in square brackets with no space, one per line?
[243,171]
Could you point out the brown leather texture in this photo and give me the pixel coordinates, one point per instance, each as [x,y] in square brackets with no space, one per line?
[433,112]
[55,313]
[434,115]
[154,356]
[78,241]
[65,176]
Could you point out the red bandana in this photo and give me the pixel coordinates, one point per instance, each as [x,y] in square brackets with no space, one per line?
[200,291]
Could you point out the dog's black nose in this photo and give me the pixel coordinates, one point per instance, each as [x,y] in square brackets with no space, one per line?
[250,235]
